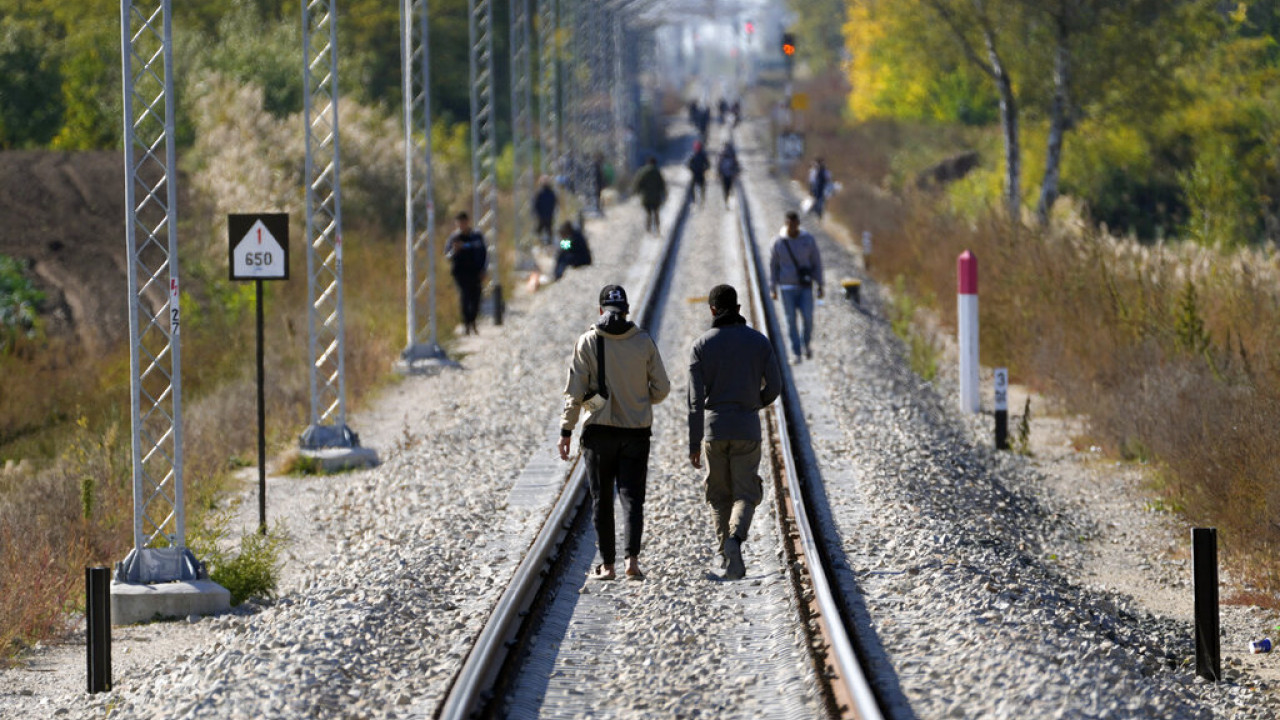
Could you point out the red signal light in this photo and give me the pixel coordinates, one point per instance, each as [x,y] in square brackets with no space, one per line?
[789,49]
[751,27]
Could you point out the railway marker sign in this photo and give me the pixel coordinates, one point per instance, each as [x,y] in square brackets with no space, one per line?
[1002,408]
[258,247]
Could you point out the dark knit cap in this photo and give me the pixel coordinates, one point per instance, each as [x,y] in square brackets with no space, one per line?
[723,297]
[614,296]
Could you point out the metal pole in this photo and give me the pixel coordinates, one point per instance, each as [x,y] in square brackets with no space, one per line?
[262,418]
[325,316]
[151,235]
[483,141]
[1204,552]
[521,122]
[423,342]
[97,586]
[549,85]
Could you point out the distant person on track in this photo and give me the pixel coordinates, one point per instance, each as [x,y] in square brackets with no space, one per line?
[819,186]
[733,373]
[727,168]
[652,189]
[618,375]
[573,251]
[698,164]
[545,203]
[468,261]
[795,268]
[597,182]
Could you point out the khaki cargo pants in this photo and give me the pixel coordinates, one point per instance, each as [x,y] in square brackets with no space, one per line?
[734,487]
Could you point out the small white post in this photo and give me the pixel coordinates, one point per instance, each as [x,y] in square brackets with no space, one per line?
[967,306]
[866,249]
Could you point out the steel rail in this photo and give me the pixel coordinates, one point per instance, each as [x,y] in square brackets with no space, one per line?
[471,687]
[865,704]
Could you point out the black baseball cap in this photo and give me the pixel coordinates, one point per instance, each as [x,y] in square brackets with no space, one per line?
[614,296]
[723,297]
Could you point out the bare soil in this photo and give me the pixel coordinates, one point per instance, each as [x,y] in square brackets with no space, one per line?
[63,213]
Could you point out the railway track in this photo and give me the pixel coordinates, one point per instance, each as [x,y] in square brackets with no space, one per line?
[505,672]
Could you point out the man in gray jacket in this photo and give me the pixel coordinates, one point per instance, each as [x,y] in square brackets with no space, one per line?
[617,374]
[732,375]
[795,268]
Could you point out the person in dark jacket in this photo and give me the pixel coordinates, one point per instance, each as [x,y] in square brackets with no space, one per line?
[733,373]
[597,182]
[698,165]
[727,167]
[652,189]
[573,252]
[618,376]
[468,261]
[819,186]
[545,203]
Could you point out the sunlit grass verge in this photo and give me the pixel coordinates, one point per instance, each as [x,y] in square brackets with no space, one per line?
[1171,350]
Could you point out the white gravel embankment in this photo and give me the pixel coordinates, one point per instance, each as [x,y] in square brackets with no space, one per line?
[393,570]
[993,581]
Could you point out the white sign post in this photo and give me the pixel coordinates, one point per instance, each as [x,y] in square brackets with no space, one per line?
[259,247]
[967,306]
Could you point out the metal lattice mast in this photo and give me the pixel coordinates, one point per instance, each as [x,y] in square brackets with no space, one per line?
[325,319]
[621,121]
[484,204]
[151,233]
[522,137]
[420,251]
[549,84]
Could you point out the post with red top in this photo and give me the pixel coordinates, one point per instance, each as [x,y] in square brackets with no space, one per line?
[967,308]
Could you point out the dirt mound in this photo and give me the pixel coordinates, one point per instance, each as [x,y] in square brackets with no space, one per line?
[64,214]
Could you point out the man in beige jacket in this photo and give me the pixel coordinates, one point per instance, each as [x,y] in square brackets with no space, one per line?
[617,374]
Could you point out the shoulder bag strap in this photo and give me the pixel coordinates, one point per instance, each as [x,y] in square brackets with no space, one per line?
[604,387]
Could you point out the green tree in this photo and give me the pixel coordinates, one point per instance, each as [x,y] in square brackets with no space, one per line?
[30,100]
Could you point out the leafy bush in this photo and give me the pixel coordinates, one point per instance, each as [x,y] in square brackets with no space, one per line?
[19,299]
[254,571]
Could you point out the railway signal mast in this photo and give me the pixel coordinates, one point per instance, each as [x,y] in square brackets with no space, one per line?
[484,159]
[422,352]
[327,439]
[160,574]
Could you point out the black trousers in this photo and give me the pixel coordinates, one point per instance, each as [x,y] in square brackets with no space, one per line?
[617,456]
[726,182]
[470,290]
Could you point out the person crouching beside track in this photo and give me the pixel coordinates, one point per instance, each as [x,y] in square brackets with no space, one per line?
[733,373]
[617,374]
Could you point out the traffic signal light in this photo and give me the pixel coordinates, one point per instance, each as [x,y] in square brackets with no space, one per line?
[788,44]
[750,27]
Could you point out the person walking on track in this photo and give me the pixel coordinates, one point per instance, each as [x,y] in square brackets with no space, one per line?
[819,186]
[795,268]
[545,203]
[652,189]
[468,263]
[698,165]
[728,168]
[733,373]
[618,376]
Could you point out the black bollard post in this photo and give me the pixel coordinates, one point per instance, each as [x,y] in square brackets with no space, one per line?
[852,289]
[1002,408]
[97,613]
[1204,554]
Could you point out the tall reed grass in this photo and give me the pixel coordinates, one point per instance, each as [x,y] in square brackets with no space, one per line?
[1171,350]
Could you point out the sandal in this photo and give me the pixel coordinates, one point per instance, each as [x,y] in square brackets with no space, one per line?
[599,573]
[635,574]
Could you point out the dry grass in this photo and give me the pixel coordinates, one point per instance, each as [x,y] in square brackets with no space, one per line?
[1172,351]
